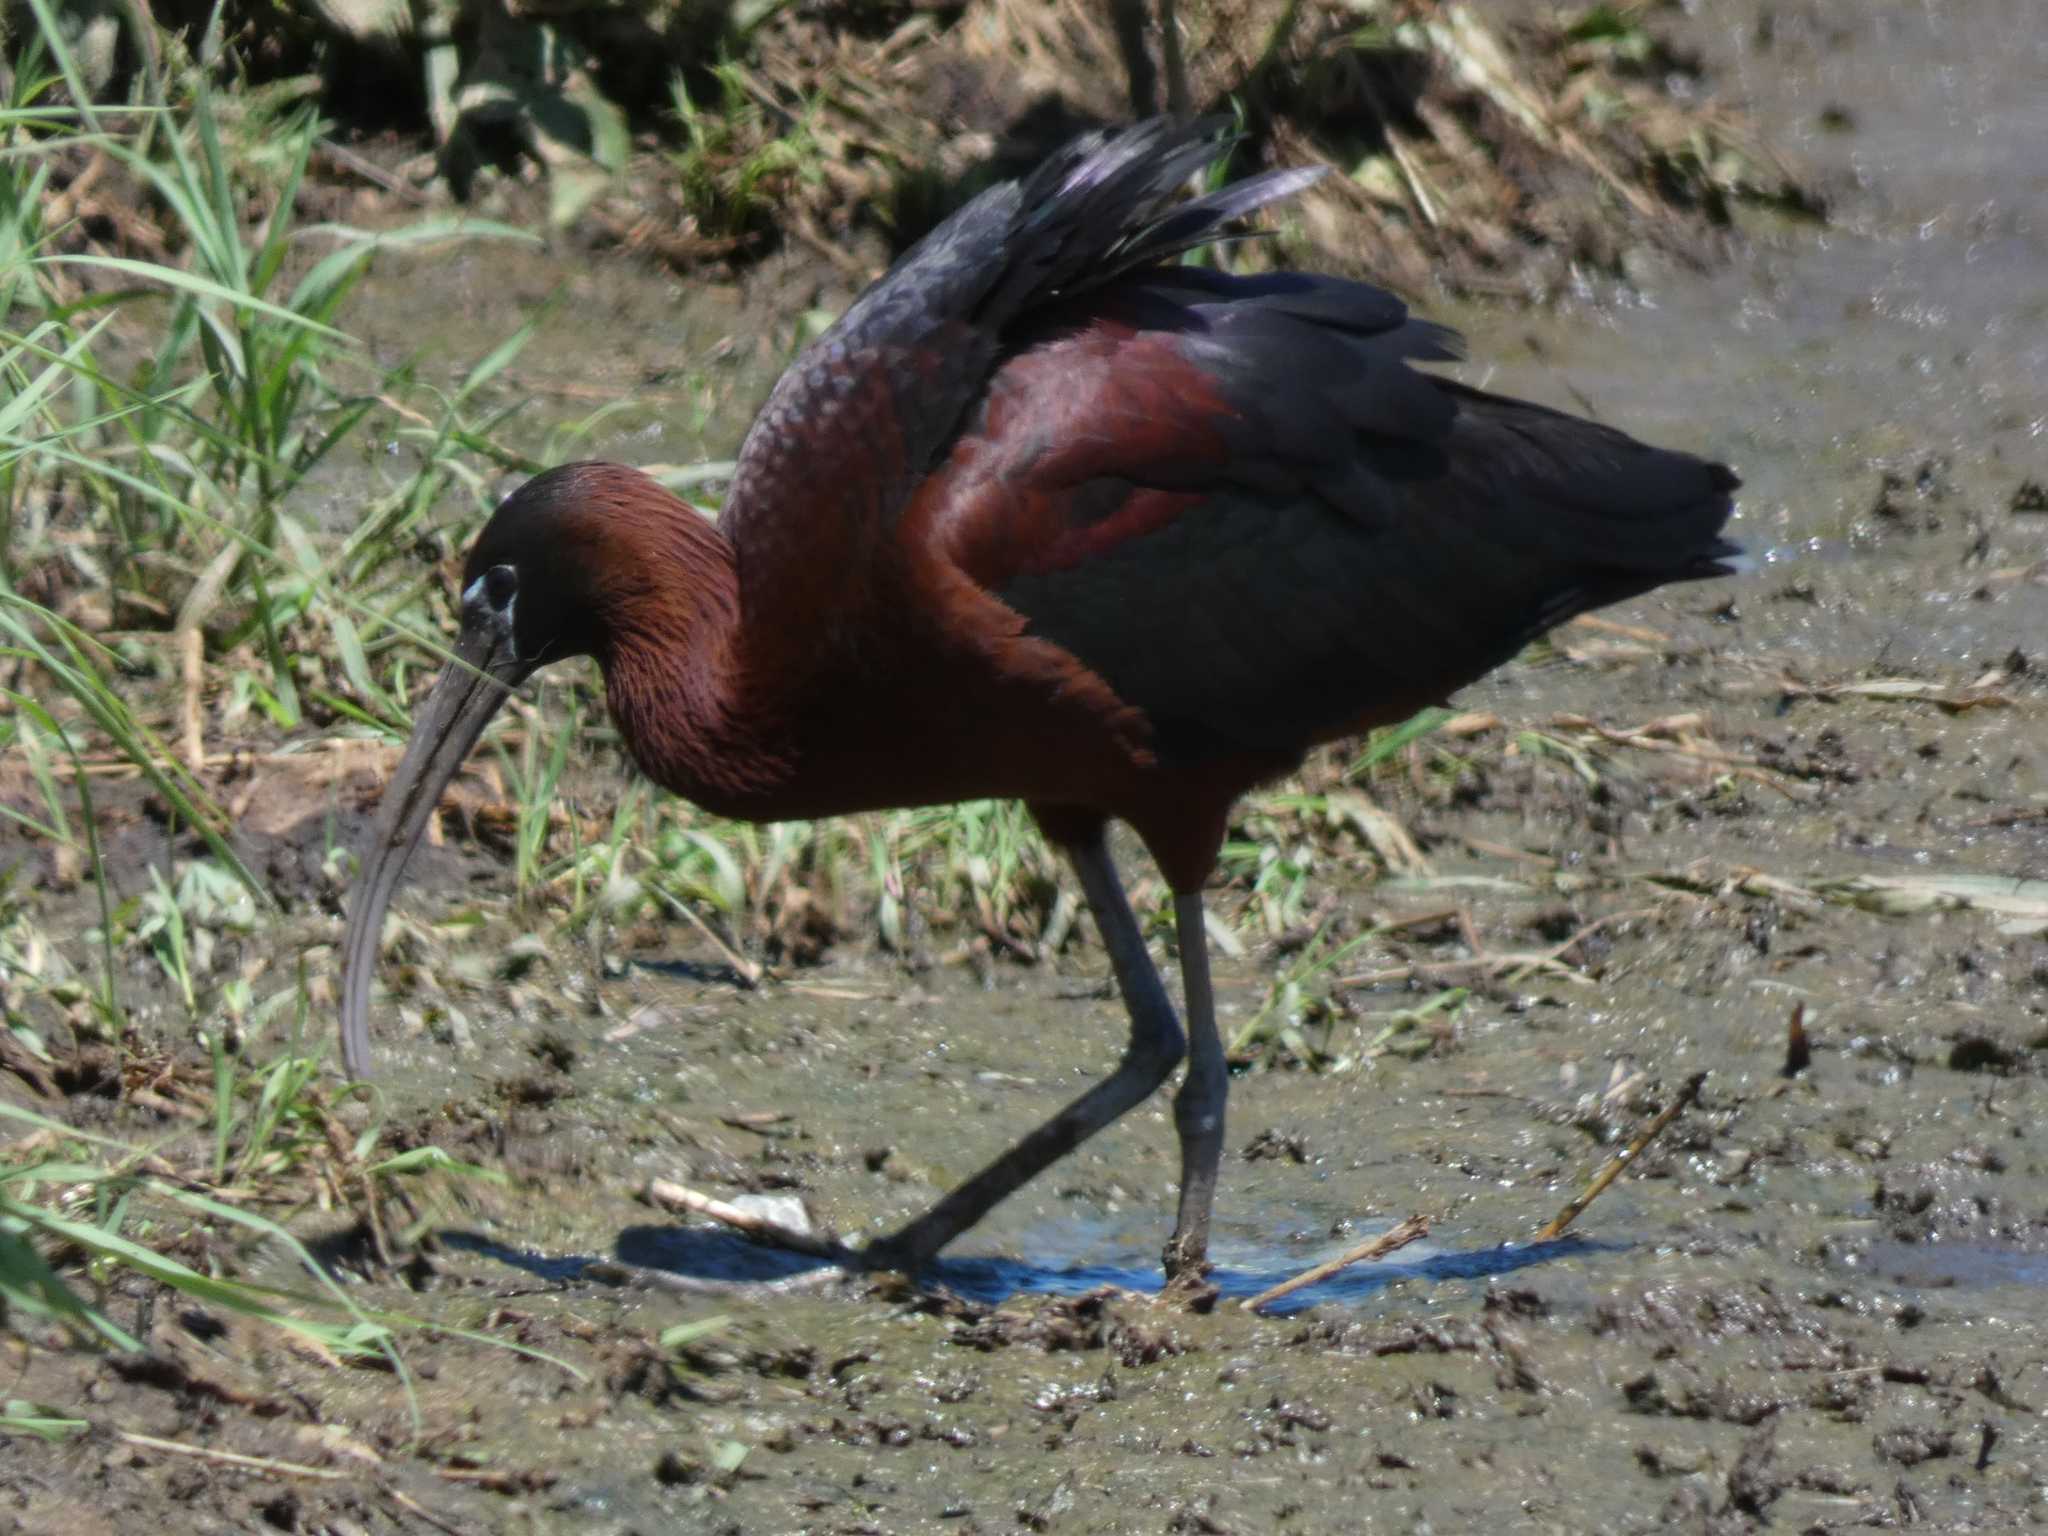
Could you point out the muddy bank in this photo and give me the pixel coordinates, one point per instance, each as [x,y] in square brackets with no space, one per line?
[1818,1303]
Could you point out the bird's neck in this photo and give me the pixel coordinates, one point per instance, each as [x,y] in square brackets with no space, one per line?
[677,676]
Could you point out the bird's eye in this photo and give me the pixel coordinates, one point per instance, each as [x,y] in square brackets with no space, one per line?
[500,583]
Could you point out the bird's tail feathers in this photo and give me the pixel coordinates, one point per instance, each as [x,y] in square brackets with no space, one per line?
[1727,558]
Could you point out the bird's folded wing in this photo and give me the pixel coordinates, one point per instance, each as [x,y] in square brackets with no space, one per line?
[1240,508]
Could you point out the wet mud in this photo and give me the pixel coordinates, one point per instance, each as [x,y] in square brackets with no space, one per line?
[1817,1303]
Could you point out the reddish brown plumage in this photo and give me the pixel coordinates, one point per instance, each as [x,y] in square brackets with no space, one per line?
[1045,517]
[875,667]
[944,696]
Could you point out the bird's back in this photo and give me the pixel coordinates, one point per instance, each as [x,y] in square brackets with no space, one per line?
[852,428]
[1236,502]
[1205,519]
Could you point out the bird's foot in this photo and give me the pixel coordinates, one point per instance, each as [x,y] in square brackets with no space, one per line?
[1191,1290]
[1187,1274]
[901,1252]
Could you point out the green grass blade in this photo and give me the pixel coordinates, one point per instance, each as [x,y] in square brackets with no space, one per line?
[29,1284]
[53,39]
[197,287]
[20,620]
[1388,744]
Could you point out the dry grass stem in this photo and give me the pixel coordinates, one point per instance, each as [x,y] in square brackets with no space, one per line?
[749,972]
[1399,1236]
[419,1511]
[230,1458]
[1511,966]
[679,1197]
[1611,1171]
[192,677]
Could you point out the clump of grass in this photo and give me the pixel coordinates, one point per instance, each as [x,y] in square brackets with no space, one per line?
[80,1211]
[737,164]
[90,1199]
[159,423]
[185,467]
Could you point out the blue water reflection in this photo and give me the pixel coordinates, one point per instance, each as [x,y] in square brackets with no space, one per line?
[716,1257]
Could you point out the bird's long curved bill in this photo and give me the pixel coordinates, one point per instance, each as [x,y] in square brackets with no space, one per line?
[467,694]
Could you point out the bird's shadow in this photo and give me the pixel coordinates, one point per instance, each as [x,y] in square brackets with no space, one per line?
[712,1259]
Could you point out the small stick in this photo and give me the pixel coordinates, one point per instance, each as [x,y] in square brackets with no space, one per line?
[762,1122]
[1373,1248]
[1628,1154]
[1632,631]
[1449,971]
[834,994]
[192,666]
[1503,851]
[679,1197]
[1420,919]
[1798,1053]
[1471,935]
[231,1458]
[372,172]
[415,1508]
[748,972]
[1514,964]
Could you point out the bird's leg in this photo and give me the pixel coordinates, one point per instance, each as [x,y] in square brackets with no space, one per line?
[1128,18]
[1155,1049]
[1177,103]
[1198,1107]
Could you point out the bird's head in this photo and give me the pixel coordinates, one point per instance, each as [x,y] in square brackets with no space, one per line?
[545,581]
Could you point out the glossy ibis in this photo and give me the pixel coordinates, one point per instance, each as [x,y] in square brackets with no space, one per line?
[1050,515]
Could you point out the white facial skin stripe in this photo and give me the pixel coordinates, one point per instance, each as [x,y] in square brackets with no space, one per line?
[474,594]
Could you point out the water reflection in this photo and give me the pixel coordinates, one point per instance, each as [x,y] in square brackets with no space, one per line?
[715,1257]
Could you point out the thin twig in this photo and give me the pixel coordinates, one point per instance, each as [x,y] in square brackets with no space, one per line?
[1375,1248]
[1671,737]
[1515,964]
[372,172]
[761,1122]
[231,1458]
[1613,627]
[1411,173]
[748,972]
[1503,851]
[192,670]
[1470,931]
[1421,919]
[1450,972]
[1628,1154]
[419,1511]
[805,228]
[1556,955]
[679,1197]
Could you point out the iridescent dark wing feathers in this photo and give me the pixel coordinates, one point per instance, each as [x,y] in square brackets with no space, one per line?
[932,329]
[1233,499]
[1297,517]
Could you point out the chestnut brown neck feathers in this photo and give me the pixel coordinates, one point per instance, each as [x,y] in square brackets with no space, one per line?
[617,567]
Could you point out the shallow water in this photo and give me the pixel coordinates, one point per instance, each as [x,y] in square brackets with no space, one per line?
[710,1257]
